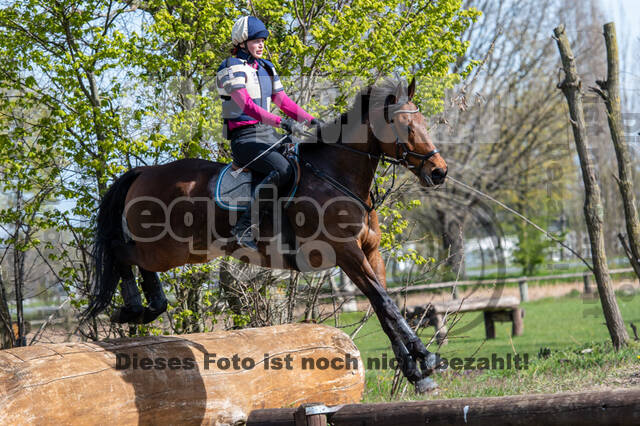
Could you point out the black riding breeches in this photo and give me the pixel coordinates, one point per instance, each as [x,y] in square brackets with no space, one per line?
[249,142]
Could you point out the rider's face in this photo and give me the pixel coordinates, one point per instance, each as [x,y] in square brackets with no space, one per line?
[256,47]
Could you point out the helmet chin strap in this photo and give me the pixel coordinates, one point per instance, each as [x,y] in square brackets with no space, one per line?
[246,50]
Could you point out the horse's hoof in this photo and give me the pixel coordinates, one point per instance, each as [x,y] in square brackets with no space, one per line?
[432,362]
[127,315]
[425,385]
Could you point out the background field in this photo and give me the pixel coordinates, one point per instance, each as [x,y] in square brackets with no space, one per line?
[571,328]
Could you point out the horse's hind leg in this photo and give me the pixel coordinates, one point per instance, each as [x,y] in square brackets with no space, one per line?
[151,286]
[156,299]
[132,310]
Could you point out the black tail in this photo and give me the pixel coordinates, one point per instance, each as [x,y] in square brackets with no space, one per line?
[108,230]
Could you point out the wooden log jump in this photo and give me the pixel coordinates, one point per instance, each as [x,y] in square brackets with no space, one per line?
[206,378]
[619,407]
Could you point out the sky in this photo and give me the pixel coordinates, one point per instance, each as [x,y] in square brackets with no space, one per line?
[626,15]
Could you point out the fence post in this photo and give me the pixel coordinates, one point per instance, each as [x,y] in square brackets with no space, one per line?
[313,414]
[587,283]
[524,290]
[517,324]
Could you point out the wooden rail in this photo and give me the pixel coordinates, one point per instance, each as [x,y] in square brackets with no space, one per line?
[434,286]
[594,408]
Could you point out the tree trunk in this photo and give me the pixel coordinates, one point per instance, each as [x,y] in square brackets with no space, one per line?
[453,242]
[193,304]
[6,333]
[610,91]
[18,274]
[229,291]
[593,209]
[18,280]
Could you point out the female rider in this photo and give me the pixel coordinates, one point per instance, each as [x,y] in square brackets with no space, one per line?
[247,84]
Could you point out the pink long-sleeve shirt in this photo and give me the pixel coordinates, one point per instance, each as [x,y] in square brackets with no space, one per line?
[289,107]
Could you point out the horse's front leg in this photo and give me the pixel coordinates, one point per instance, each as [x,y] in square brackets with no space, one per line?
[370,243]
[377,264]
[407,347]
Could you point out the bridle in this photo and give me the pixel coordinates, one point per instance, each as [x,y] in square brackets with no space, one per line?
[402,146]
[402,152]
[401,158]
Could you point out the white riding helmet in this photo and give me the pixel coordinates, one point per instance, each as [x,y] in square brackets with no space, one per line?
[248,28]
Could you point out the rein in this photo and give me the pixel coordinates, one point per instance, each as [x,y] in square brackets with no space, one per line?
[340,187]
[401,158]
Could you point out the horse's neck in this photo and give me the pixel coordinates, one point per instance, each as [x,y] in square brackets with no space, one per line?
[361,140]
[354,169]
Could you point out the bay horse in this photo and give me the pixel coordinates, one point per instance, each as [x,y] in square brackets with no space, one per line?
[161,217]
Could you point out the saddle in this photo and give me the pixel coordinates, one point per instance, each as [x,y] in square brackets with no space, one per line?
[232,190]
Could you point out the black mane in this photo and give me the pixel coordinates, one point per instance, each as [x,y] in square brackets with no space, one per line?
[372,98]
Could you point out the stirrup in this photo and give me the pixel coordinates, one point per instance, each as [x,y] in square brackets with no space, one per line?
[244,237]
[243,229]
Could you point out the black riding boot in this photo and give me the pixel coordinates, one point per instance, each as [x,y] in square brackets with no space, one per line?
[243,229]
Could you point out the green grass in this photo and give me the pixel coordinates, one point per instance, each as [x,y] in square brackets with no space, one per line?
[565,327]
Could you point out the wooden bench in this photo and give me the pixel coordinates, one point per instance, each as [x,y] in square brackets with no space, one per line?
[504,309]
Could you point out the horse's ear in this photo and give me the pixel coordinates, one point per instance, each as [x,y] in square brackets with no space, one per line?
[399,95]
[412,88]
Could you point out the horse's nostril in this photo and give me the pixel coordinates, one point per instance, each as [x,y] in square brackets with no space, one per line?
[438,174]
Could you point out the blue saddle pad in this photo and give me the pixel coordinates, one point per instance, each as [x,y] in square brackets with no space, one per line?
[234,192]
